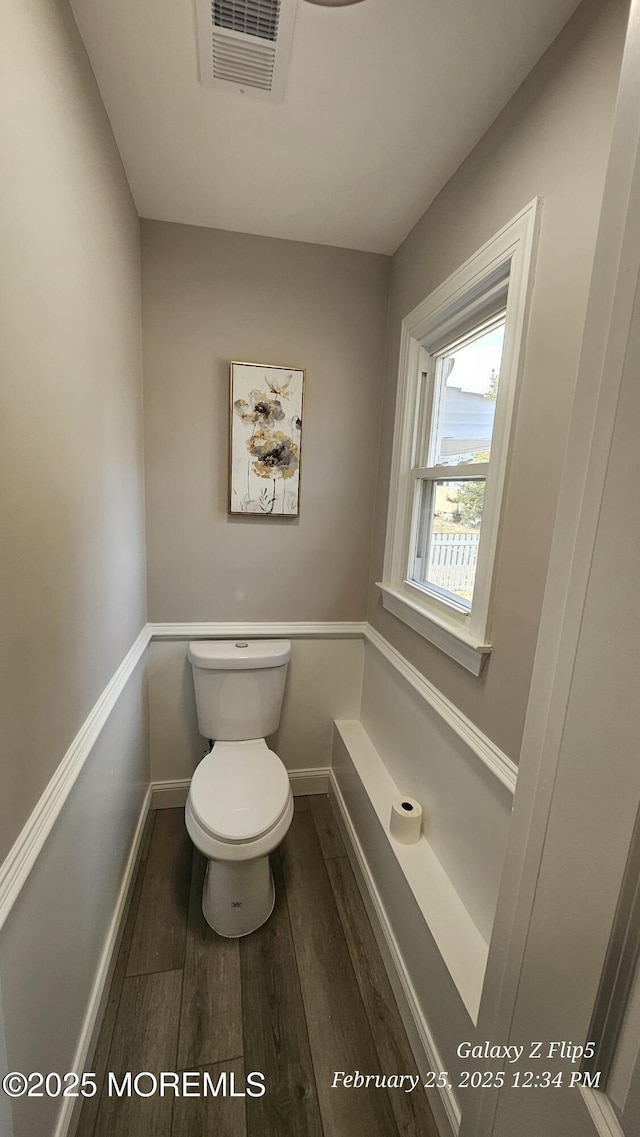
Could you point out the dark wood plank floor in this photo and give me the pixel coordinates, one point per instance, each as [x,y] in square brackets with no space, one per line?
[304,996]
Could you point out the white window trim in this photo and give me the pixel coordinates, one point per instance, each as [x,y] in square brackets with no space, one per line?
[510,254]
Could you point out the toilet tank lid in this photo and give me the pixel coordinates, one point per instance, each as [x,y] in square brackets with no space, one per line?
[240,654]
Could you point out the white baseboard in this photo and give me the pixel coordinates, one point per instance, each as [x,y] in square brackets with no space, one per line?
[173,793]
[320,780]
[68,1116]
[170,794]
[22,856]
[314,781]
[443,1102]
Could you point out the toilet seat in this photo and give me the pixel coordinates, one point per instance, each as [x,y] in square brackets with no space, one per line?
[239,791]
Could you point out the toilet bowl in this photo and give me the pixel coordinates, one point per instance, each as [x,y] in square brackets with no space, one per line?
[238,810]
[240,804]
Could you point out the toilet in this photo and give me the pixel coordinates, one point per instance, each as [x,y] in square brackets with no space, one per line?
[240,804]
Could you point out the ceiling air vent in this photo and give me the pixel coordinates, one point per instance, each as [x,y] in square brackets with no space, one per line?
[244,45]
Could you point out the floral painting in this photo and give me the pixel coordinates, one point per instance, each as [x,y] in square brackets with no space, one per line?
[265,440]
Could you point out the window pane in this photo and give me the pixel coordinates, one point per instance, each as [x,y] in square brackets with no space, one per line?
[449,536]
[469,386]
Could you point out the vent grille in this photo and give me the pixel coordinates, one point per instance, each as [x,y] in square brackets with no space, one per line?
[246,64]
[245,45]
[251,17]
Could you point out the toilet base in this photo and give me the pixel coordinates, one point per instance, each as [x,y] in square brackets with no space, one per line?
[238,896]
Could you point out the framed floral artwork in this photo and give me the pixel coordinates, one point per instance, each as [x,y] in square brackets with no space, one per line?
[265,440]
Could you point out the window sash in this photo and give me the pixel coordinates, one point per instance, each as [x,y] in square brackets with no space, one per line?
[432,476]
[443,595]
[432,386]
[469,471]
[469,325]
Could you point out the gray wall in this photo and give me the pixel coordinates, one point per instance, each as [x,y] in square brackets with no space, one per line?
[209,297]
[552,140]
[53,943]
[71,497]
[71,517]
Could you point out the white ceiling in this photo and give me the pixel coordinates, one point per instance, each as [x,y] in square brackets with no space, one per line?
[384,100]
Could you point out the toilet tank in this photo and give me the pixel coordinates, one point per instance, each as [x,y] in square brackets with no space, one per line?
[239,686]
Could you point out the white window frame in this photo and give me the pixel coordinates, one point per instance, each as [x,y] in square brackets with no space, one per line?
[503,268]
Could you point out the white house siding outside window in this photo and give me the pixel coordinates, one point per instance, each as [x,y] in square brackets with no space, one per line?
[460,357]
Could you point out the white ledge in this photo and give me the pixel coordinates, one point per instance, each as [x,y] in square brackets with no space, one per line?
[459,942]
[454,640]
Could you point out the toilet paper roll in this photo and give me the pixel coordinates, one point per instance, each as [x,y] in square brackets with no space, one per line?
[406,820]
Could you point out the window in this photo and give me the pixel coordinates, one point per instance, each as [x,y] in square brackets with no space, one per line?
[460,357]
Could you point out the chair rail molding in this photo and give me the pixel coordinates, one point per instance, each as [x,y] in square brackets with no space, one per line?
[23,854]
[31,839]
[197,630]
[500,765]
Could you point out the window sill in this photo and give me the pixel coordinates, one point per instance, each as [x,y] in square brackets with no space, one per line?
[450,638]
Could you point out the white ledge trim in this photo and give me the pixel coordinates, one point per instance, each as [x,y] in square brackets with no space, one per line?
[24,852]
[493,758]
[232,629]
[451,639]
[459,942]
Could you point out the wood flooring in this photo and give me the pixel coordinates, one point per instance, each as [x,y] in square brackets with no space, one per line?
[304,996]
